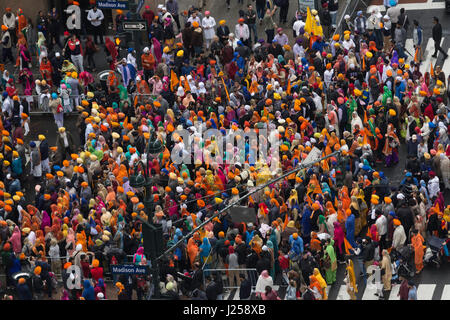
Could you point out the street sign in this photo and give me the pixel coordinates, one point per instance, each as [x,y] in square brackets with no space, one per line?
[303,4]
[134,26]
[129,269]
[111,4]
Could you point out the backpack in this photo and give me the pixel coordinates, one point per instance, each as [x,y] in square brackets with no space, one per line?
[35,159]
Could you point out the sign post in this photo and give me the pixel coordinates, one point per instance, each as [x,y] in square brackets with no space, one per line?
[134,25]
[112,4]
[129,269]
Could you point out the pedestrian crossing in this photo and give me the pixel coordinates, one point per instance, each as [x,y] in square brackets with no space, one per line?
[424,292]
[427,53]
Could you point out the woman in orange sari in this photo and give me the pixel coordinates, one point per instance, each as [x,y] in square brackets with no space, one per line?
[192,251]
[143,90]
[390,146]
[112,82]
[21,41]
[315,286]
[417,243]
[46,70]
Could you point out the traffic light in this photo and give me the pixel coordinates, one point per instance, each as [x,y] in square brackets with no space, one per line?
[121,40]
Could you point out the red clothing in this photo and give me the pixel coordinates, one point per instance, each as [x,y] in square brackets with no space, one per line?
[284,262]
[404,290]
[429,112]
[97,289]
[148,15]
[86,269]
[97,273]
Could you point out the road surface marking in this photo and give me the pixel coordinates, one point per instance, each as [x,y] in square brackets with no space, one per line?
[446,292]
[446,66]
[342,294]
[428,56]
[394,292]
[425,291]
[413,6]
[369,293]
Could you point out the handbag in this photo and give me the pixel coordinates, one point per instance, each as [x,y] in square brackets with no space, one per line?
[59,108]
[327,262]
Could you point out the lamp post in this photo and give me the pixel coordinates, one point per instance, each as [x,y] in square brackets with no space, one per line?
[151,232]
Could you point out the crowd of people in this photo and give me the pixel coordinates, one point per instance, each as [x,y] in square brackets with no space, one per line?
[353,92]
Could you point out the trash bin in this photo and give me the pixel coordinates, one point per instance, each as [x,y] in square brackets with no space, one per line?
[27,275]
[103,77]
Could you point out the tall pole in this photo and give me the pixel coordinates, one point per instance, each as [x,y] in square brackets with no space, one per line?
[134,15]
[300,167]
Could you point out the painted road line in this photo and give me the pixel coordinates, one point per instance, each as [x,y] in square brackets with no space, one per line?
[412,6]
[426,55]
[342,294]
[425,291]
[429,59]
[236,295]
[369,293]
[446,292]
[409,47]
[394,292]
[446,66]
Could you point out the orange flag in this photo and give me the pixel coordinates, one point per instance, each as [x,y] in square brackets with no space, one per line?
[308,199]
[416,55]
[125,123]
[288,89]
[135,100]
[431,69]
[286,220]
[347,246]
[225,87]
[186,86]
[365,117]
[173,80]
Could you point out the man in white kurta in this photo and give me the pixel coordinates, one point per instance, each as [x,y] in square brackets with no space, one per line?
[208,24]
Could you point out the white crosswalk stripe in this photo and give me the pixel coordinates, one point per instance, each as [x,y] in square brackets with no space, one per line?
[446,66]
[425,291]
[236,295]
[394,292]
[425,67]
[446,292]
[409,46]
[412,6]
[343,295]
[369,293]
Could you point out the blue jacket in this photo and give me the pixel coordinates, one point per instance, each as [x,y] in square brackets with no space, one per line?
[88,292]
[350,227]
[306,227]
[400,88]
[24,292]
[296,244]
[17,166]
